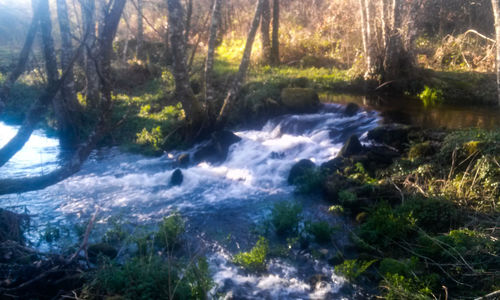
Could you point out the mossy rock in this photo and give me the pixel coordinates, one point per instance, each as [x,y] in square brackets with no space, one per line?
[300,99]
[351,147]
[421,150]
[473,147]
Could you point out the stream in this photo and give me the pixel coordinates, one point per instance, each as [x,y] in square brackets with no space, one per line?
[223,204]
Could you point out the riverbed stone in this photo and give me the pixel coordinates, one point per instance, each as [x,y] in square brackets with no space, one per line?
[176,178]
[351,109]
[300,169]
[394,135]
[351,147]
[217,148]
[300,99]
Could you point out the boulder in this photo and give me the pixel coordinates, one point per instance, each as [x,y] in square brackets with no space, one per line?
[176,178]
[351,109]
[332,165]
[300,169]
[300,99]
[351,147]
[394,135]
[101,249]
[217,148]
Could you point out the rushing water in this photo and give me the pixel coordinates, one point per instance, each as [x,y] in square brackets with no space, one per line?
[218,201]
[222,203]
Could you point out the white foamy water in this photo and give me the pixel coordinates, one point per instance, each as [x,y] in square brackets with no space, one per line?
[229,197]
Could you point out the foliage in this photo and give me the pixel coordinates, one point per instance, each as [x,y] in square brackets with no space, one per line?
[431,96]
[310,182]
[402,287]
[150,278]
[255,259]
[285,217]
[321,231]
[353,268]
[170,231]
[385,225]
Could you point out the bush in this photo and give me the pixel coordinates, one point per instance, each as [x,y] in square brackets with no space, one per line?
[285,217]
[170,231]
[321,231]
[384,225]
[150,278]
[432,214]
[399,287]
[352,269]
[431,96]
[255,259]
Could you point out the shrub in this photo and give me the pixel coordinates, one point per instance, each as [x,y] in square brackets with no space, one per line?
[431,96]
[401,287]
[352,269]
[285,217]
[321,231]
[385,225]
[432,214]
[310,182]
[255,259]
[149,278]
[170,231]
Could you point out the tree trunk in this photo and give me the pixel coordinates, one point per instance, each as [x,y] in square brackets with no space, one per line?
[91,77]
[189,15]
[140,30]
[367,38]
[23,58]
[212,40]
[275,46]
[496,13]
[265,23]
[183,91]
[71,107]
[245,62]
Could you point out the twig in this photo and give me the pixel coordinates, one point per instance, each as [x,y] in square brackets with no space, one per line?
[85,237]
[490,295]
[399,190]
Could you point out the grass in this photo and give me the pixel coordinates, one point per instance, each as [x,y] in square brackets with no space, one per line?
[255,259]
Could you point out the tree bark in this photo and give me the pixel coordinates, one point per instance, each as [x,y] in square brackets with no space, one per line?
[367,38]
[265,23]
[23,58]
[245,62]
[140,30]
[91,77]
[183,91]
[71,106]
[275,46]
[496,13]
[212,40]
[189,15]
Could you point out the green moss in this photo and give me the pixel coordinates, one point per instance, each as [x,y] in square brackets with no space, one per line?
[255,259]
[420,150]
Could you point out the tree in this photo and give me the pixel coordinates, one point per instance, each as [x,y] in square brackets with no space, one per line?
[23,57]
[70,106]
[366,32]
[235,88]
[192,107]
[73,164]
[88,8]
[264,32]
[140,29]
[496,13]
[212,40]
[275,51]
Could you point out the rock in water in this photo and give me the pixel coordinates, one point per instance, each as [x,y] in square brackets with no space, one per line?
[176,178]
[300,169]
[394,135]
[351,109]
[217,148]
[351,147]
[300,99]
